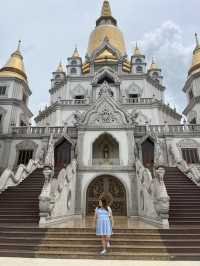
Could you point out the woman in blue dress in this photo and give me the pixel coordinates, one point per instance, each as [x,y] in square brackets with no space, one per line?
[103,218]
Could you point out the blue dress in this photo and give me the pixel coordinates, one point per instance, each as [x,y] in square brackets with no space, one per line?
[103,223]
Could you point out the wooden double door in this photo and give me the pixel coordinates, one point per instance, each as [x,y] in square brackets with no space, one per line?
[112,189]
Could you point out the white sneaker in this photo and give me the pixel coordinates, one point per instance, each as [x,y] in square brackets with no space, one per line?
[108,244]
[103,252]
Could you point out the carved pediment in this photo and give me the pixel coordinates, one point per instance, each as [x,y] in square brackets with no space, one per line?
[106,112]
[105,45]
[105,72]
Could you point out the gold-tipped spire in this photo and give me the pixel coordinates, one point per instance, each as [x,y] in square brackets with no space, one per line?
[60,67]
[196,57]
[153,65]
[106,9]
[76,53]
[106,26]
[197,40]
[137,50]
[15,65]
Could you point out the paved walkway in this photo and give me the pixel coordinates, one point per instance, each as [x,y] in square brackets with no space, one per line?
[49,262]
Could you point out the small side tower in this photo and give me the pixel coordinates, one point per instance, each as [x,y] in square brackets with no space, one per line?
[192,87]
[138,61]
[155,73]
[14,93]
[74,67]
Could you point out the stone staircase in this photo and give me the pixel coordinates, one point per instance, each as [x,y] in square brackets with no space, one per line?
[20,204]
[81,243]
[184,199]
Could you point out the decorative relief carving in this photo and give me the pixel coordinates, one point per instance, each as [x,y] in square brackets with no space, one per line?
[105,112]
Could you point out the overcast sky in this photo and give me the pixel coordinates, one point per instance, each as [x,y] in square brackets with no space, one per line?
[49,30]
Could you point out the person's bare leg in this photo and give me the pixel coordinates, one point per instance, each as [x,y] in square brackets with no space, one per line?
[105,243]
[102,241]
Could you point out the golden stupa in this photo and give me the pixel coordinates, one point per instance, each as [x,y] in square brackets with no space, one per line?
[196,58]
[15,66]
[106,27]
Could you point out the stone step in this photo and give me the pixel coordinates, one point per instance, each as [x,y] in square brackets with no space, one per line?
[117,248]
[95,241]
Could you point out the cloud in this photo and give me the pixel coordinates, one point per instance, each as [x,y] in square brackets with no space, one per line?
[166,45]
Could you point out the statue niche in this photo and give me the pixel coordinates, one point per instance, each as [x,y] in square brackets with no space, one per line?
[105,150]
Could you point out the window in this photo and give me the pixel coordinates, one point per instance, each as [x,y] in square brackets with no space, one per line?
[24,99]
[79,97]
[133,96]
[138,61]
[73,70]
[190,155]
[193,121]
[2,90]
[24,156]
[22,124]
[73,62]
[139,69]
[57,77]
[155,75]
[1,118]
[191,95]
[108,79]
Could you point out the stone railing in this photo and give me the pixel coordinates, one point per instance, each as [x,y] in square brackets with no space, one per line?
[44,131]
[11,179]
[152,195]
[138,100]
[57,199]
[191,171]
[171,130]
[75,102]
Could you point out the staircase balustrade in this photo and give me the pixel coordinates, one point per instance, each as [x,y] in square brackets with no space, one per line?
[11,179]
[57,199]
[152,195]
[191,171]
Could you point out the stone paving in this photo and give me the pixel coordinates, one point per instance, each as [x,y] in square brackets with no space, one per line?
[50,262]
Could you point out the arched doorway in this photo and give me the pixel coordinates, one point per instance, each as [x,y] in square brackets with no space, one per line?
[148,153]
[62,153]
[110,187]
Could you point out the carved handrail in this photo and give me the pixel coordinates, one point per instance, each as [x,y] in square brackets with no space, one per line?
[11,179]
[58,194]
[191,171]
[152,194]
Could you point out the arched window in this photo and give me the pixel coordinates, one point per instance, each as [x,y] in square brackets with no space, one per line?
[79,97]
[139,69]
[73,62]
[1,123]
[57,77]
[138,61]
[73,70]
[107,79]
[155,75]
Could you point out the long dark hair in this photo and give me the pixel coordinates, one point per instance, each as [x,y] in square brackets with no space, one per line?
[104,204]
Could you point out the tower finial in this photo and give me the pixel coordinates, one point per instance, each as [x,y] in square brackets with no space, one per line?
[76,53]
[106,10]
[137,50]
[197,40]
[19,45]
